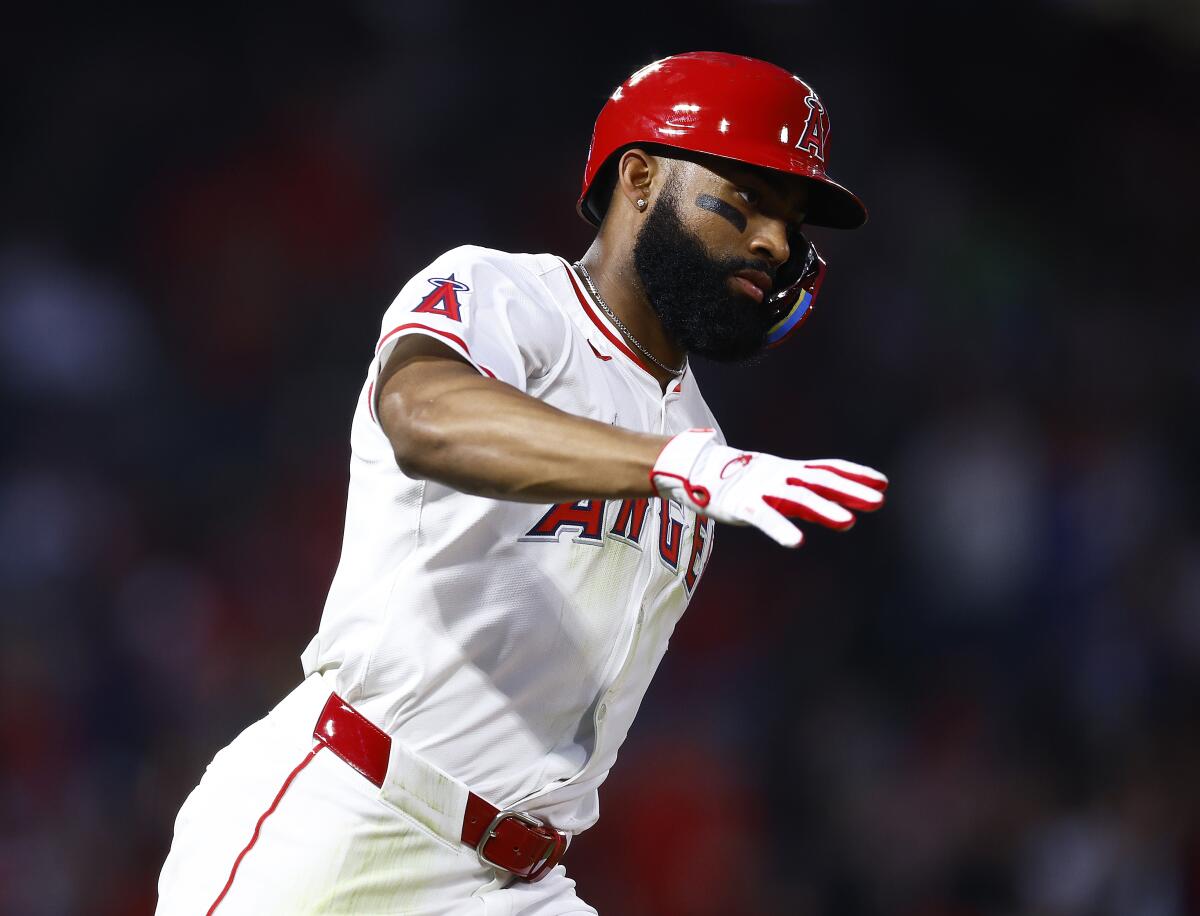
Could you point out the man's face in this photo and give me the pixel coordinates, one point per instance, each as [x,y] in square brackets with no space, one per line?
[709,251]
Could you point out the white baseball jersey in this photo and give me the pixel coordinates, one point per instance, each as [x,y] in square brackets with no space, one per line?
[508,643]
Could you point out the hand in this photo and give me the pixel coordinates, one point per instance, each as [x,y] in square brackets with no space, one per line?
[752,488]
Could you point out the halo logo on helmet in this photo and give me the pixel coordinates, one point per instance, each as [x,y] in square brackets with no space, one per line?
[738,108]
[816,128]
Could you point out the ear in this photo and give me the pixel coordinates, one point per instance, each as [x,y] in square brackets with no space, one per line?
[638,175]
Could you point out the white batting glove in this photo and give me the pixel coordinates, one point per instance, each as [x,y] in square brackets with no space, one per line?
[752,488]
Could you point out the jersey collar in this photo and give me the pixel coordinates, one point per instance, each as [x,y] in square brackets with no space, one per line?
[593,311]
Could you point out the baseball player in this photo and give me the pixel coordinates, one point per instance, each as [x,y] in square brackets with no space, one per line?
[535,486]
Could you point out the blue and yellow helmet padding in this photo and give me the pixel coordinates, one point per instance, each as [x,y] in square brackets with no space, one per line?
[789,322]
[805,288]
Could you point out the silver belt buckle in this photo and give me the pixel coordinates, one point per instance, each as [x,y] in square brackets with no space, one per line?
[490,834]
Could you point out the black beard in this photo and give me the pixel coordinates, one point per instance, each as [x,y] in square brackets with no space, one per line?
[689,290]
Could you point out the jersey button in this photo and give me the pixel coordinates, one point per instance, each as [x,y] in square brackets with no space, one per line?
[602,712]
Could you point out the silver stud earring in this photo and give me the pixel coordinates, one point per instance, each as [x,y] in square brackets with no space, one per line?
[641,204]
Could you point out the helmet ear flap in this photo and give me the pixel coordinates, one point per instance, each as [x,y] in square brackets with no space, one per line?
[598,197]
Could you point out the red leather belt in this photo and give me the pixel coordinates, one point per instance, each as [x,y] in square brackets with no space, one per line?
[509,840]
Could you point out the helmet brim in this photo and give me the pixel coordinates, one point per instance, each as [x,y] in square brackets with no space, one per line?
[830,204]
[833,205]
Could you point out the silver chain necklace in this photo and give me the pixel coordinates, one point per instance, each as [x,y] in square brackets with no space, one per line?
[621,325]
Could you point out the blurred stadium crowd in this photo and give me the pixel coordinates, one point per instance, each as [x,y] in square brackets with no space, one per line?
[978,703]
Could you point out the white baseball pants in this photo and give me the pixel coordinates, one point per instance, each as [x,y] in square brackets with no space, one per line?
[278,827]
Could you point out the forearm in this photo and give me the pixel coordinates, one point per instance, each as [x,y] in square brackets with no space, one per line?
[483,437]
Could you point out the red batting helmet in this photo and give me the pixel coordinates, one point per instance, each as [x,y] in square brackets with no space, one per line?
[724,105]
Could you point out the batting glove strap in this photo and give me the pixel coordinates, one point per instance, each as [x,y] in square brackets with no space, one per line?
[675,462]
[752,488]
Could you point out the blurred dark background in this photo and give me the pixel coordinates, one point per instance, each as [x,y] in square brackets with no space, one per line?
[978,702]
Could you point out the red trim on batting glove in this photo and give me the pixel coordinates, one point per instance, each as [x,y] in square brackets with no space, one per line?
[805,514]
[696,493]
[837,496]
[873,482]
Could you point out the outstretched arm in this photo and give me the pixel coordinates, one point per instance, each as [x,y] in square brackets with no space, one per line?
[448,423]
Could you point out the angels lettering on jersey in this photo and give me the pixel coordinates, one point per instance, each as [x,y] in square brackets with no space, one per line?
[586,519]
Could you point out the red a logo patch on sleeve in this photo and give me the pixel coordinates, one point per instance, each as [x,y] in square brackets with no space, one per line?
[444,298]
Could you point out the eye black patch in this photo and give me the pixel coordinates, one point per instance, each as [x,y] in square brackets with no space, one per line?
[719,207]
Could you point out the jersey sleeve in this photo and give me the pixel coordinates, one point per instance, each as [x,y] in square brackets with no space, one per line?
[482,306]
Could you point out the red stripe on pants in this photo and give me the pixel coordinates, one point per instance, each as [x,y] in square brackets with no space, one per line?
[258,827]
